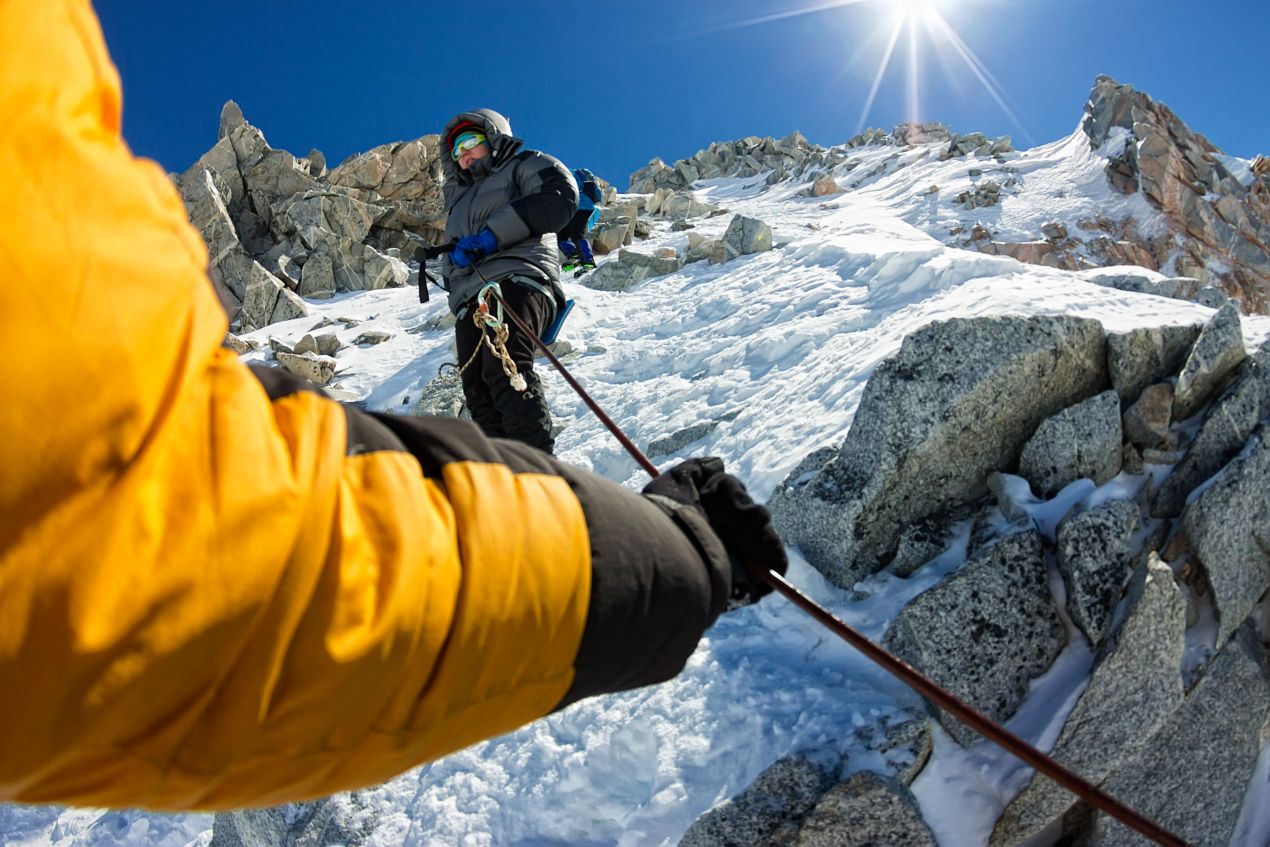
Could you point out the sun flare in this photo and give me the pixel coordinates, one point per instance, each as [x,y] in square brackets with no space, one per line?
[916,11]
[927,33]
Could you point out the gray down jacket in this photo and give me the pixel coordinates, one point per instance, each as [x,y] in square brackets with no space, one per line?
[523,196]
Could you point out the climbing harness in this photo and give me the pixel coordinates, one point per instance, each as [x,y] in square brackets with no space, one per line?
[950,703]
[496,339]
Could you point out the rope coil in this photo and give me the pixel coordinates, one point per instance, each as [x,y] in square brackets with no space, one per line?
[486,320]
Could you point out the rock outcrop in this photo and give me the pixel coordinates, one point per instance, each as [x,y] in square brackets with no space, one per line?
[1219,226]
[931,426]
[345,819]
[935,441]
[798,801]
[280,228]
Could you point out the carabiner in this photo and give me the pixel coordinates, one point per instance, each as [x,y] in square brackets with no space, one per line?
[490,320]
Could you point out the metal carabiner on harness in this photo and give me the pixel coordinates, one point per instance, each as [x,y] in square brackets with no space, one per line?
[488,318]
[485,319]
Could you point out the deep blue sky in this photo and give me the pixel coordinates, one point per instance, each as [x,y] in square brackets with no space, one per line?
[610,83]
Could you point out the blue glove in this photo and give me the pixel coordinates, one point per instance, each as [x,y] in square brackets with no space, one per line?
[470,248]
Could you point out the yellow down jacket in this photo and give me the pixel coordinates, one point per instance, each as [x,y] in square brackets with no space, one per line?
[219,588]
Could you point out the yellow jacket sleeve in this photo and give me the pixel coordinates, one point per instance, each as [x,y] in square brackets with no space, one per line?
[220,588]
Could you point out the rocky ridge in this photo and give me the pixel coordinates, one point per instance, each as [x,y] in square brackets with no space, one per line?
[1219,221]
[1215,214]
[1147,564]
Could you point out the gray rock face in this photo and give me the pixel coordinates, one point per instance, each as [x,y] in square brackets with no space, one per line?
[1175,288]
[865,811]
[1216,732]
[1095,556]
[780,797]
[344,819]
[611,235]
[1259,365]
[1146,422]
[329,210]
[934,421]
[1222,435]
[222,163]
[228,265]
[238,345]
[1229,528]
[745,236]
[318,370]
[962,634]
[1003,610]
[701,248]
[401,170]
[677,205]
[825,186]
[371,337]
[326,344]
[275,177]
[913,133]
[656,174]
[905,743]
[919,542]
[679,439]
[1081,441]
[616,276]
[1132,462]
[288,305]
[976,144]
[981,196]
[1145,356]
[354,266]
[1219,350]
[657,265]
[261,296]
[317,279]
[746,157]
[442,397]
[1132,691]
[317,162]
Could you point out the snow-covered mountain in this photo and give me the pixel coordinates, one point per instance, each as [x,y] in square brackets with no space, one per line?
[762,360]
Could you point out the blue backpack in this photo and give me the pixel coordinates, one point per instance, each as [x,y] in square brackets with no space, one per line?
[588,189]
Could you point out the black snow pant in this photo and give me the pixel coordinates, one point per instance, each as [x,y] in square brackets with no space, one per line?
[500,410]
[576,228]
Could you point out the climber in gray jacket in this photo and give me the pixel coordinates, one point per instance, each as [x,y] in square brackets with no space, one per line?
[504,205]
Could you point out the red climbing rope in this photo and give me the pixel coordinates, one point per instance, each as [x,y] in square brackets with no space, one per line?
[963,712]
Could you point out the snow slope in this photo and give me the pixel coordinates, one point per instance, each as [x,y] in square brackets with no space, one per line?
[779,345]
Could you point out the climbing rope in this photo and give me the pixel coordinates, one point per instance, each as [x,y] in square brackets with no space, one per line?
[962,711]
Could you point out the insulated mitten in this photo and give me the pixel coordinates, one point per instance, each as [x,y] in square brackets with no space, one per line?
[744,527]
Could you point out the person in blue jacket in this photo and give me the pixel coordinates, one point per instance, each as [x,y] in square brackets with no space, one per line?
[572,239]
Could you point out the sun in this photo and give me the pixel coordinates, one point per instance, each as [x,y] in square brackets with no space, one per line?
[929,34]
[916,11]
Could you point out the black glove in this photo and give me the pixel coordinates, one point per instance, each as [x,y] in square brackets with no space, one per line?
[744,527]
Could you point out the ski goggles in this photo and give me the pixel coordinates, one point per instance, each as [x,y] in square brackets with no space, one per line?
[466,141]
